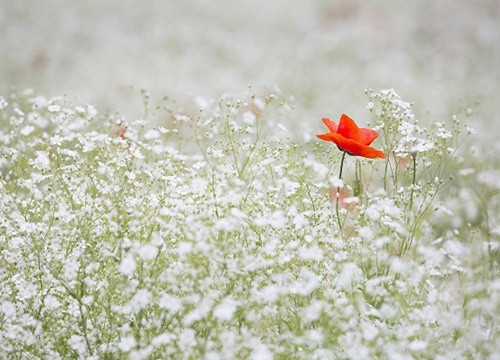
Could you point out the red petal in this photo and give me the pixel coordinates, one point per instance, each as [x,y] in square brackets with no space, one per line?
[352,147]
[348,128]
[330,124]
[367,136]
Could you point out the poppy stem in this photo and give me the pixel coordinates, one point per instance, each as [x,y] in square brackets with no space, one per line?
[338,194]
[341,165]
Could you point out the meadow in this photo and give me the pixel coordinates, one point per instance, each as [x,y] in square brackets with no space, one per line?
[124,239]
[323,215]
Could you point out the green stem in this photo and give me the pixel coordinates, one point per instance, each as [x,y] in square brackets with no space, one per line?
[409,238]
[338,195]
[341,165]
[414,157]
[385,173]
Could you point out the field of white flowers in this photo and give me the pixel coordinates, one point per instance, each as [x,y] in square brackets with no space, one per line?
[208,225]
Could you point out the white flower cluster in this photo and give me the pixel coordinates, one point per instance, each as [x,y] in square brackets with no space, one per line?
[395,118]
[201,239]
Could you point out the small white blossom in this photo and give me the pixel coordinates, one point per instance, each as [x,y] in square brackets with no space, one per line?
[151,134]
[148,252]
[140,300]
[127,343]
[261,352]
[313,253]
[27,130]
[349,274]
[91,111]
[54,108]
[171,303]
[52,302]
[42,161]
[8,309]
[128,265]
[249,117]
[3,103]
[77,343]
[225,310]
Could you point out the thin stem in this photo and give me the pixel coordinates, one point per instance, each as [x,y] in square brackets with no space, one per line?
[341,165]
[358,183]
[414,157]
[385,173]
[338,195]
[409,238]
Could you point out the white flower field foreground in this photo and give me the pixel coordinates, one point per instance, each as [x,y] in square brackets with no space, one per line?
[209,234]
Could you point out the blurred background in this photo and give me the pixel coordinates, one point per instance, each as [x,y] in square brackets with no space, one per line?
[441,55]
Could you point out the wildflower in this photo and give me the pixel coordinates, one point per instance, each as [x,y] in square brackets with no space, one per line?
[350,138]
[346,200]
[122,134]
[122,129]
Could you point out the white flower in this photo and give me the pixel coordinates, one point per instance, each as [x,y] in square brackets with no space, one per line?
[140,300]
[127,266]
[126,343]
[77,343]
[276,220]
[466,172]
[261,352]
[151,134]
[184,248]
[162,339]
[70,269]
[249,117]
[148,252]
[313,311]
[3,103]
[225,310]
[27,130]
[54,108]
[171,303]
[187,340]
[87,300]
[51,302]
[8,309]
[336,182]
[313,253]
[373,212]
[42,161]
[417,345]
[91,112]
[199,165]
[349,274]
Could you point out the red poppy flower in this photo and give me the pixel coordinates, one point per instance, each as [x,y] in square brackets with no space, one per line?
[350,138]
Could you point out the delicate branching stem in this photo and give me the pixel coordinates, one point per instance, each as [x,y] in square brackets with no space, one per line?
[412,228]
[84,327]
